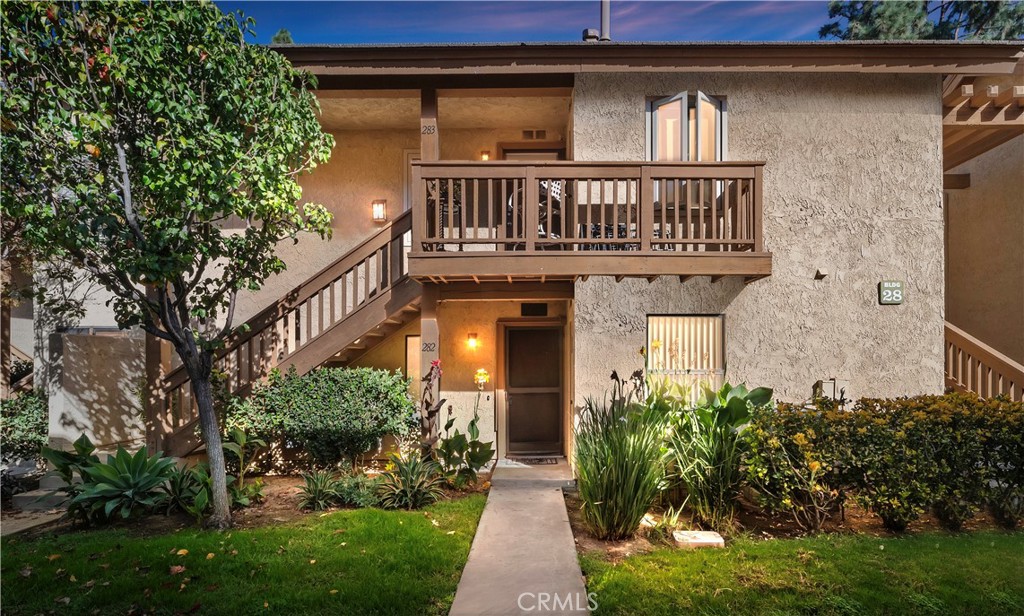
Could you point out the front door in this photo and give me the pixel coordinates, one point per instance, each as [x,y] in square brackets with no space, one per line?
[533,381]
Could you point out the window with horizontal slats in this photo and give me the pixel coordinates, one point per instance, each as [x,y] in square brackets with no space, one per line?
[688,350]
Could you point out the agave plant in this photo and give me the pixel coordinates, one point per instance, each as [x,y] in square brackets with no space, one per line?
[321,490]
[125,484]
[413,483]
[706,450]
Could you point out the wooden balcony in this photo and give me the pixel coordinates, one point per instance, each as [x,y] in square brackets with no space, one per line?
[563,220]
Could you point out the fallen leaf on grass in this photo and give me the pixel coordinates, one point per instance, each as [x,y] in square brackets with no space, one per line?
[334,592]
[451,532]
[210,556]
[64,600]
[59,573]
[72,579]
[234,552]
[52,557]
[176,569]
[338,532]
[435,522]
[182,552]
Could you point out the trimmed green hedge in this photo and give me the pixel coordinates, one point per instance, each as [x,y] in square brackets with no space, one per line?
[953,454]
[334,414]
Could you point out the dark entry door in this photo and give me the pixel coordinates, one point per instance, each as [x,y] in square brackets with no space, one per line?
[533,379]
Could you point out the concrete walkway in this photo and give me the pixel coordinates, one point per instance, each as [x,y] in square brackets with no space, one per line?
[523,559]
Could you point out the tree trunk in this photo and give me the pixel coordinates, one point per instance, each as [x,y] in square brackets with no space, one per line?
[199,370]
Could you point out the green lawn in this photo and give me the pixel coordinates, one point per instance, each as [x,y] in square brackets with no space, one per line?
[364,561]
[976,574]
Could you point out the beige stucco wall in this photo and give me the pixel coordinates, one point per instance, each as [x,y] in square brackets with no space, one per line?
[985,249]
[99,383]
[457,319]
[852,186]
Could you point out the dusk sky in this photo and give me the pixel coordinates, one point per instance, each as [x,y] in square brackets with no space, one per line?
[473,21]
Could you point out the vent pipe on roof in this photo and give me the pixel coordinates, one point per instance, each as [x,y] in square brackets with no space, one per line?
[606,19]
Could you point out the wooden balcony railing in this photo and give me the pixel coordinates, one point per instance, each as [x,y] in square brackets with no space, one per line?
[562,219]
[972,365]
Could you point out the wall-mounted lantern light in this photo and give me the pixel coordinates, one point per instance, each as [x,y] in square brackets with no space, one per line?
[472,342]
[485,155]
[380,210]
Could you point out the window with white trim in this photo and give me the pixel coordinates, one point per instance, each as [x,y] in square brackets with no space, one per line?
[687,349]
[686,127]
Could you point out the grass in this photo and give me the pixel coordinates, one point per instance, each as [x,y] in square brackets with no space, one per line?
[978,574]
[364,561]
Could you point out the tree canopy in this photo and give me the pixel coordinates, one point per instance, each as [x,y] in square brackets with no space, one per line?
[152,146]
[923,19]
[283,37]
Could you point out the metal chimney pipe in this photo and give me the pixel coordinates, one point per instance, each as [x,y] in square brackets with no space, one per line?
[606,19]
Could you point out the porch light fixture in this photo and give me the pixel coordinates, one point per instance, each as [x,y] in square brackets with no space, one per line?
[472,342]
[485,155]
[380,210]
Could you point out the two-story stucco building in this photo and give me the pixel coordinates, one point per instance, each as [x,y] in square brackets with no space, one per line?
[767,213]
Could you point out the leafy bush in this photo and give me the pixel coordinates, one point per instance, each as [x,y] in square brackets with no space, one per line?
[335,414]
[958,435]
[707,449]
[620,466]
[1003,440]
[325,489]
[126,484]
[790,462]
[182,487]
[67,464]
[321,490]
[413,483]
[462,456]
[23,426]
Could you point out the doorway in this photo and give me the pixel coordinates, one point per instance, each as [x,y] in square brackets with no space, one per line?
[534,389]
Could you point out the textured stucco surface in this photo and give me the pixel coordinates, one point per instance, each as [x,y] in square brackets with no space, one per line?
[985,249]
[99,383]
[852,186]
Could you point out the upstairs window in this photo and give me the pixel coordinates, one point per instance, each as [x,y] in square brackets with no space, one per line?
[686,127]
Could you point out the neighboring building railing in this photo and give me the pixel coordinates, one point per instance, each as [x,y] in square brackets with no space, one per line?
[568,208]
[972,365]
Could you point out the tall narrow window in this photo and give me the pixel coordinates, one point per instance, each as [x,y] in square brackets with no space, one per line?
[686,127]
[689,350]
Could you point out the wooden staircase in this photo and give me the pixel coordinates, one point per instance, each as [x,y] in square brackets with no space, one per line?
[972,365]
[334,317]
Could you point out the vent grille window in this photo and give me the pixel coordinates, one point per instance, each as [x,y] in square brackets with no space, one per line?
[688,350]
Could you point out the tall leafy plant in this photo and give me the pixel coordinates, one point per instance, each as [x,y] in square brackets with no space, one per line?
[152,146]
[124,485]
[462,456]
[620,462]
[707,450]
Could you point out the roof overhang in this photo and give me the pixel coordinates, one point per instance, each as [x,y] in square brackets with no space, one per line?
[508,59]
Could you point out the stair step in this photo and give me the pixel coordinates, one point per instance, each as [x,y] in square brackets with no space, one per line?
[40,500]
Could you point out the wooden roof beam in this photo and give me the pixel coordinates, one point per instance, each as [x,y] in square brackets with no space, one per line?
[956,181]
[984,96]
[1012,95]
[965,93]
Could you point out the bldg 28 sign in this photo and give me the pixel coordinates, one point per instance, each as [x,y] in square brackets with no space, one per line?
[890,292]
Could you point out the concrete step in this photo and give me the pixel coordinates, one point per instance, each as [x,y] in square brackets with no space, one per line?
[40,500]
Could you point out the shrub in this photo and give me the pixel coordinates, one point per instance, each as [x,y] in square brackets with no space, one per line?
[462,456]
[67,464]
[890,457]
[335,414]
[620,466]
[358,491]
[124,484]
[1004,458]
[707,449]
[182,487]
[413,483]
[23,426]
[321,490]
[791,464]
[957,427]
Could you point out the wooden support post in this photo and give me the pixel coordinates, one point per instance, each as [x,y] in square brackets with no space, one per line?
[758,210]
[647,208]
[430,343]
[531,206]
[430,144]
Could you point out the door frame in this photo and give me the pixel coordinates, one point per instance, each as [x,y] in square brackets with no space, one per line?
[500,388]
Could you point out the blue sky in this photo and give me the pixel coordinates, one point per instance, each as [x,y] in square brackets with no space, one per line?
[538,20]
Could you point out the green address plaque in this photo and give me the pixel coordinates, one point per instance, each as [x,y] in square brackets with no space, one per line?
[890,292]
